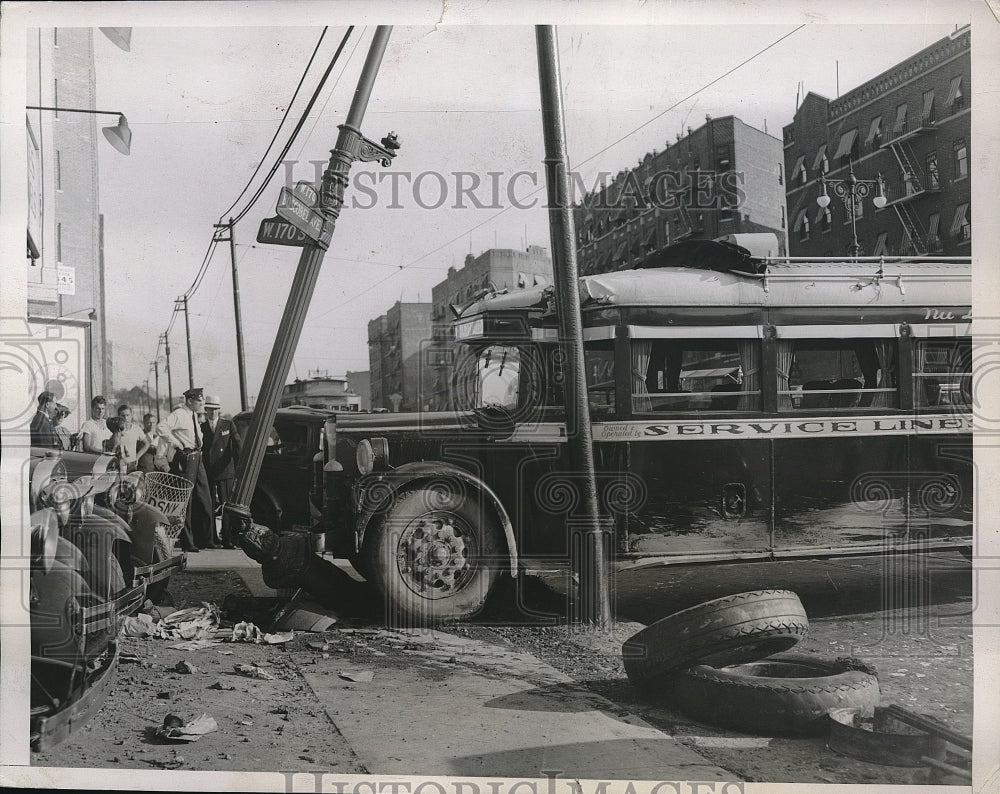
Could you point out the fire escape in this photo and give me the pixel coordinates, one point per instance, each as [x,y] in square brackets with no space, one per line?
[912,184]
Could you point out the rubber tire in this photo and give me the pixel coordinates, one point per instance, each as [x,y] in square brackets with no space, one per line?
[782,695]
[403,606]
[731,630]
[264,512]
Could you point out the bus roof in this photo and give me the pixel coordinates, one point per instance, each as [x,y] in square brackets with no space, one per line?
[785,283]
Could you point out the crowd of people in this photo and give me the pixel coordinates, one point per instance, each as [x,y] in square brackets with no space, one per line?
[193,442]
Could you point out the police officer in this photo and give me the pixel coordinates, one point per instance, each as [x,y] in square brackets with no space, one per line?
[181,431]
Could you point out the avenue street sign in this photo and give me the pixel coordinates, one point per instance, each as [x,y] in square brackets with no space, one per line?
[292,208]
[274,231]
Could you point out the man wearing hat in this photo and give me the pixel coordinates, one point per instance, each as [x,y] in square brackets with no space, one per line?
[64,437]
[42,432]
[221,451]
[181,431]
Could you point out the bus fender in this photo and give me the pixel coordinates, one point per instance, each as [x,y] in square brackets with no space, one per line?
[379,487]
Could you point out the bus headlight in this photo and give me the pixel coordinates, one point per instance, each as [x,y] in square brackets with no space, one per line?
[372,455]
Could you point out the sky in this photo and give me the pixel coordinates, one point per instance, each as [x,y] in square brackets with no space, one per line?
[204,102]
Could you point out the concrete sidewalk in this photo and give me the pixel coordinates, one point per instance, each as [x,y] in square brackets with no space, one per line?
[439,704]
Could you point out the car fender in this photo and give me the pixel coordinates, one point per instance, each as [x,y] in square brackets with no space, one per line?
[267,493]
[418,472]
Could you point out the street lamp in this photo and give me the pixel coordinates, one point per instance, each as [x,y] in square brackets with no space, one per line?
[851,191]
[119,135]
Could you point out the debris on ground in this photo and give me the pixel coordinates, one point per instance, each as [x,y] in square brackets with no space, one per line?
[248,632]
[359,676]
[174,728]
[184,666]
[253,671]
[223,687]
[194,623]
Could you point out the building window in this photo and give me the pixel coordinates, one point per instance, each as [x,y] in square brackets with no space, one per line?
[799,171]
[55,37]
[934,233]
[723,158]
[931,169]
[782,217]
[696,163]
[927,114]
[58,170]
[781,174]
[956,99]
[961,225]
[802,226]
[847,149]
[59,243]
[899,126]
[874,139]
[55,98]
[822,163]
[961,161]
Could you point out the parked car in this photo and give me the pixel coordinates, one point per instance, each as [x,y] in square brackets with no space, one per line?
[78,597]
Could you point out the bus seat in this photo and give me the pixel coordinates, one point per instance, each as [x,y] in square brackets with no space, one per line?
[728,402]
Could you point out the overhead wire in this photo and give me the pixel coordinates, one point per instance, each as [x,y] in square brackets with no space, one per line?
[281,123]
[595,155]
[301,122]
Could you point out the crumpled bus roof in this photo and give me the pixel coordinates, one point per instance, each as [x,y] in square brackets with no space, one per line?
[814,283]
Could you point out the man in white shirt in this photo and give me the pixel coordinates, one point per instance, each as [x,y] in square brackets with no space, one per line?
[180,429]
[94,433]
[132,441]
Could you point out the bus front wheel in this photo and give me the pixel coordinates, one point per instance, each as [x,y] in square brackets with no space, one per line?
[434,556]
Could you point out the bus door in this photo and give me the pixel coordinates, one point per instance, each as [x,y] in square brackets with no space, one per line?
[694,442]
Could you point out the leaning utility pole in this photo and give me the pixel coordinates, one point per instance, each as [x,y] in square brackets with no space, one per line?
[589,541]
[317,223]
[156,373]
[170,383]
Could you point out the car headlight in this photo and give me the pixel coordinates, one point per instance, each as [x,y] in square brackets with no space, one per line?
[372,455]
[58,495]
[44,538]
[127,490]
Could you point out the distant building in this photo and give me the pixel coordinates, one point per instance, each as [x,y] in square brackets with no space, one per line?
[720,179]
[362,386]
[395,343]
[499,268]
[321,391]
[911,125]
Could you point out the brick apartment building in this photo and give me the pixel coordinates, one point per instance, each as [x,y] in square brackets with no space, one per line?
[910,126]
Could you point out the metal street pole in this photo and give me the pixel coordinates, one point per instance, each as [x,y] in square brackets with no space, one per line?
[591,545]
[241,364]
[187,336]
[156,372]
[351,146]
[170,384]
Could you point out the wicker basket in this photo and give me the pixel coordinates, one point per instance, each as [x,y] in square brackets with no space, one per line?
[168,493]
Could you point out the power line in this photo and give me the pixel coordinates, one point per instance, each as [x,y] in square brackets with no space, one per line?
[301,122]
[281,123]
[582,162]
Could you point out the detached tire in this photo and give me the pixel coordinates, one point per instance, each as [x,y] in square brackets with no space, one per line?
[433,557]
[783,695]
[730,630]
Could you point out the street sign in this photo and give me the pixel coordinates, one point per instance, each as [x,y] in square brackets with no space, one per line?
[274,231]
[307,192]
[298,213]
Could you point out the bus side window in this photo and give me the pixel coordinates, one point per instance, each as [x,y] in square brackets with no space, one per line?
[695,375]
[942,373]
[836,374]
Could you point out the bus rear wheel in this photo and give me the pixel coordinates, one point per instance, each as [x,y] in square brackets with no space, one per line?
[433,557]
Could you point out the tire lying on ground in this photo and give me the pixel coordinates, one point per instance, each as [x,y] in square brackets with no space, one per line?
[783,695]
[730,630]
